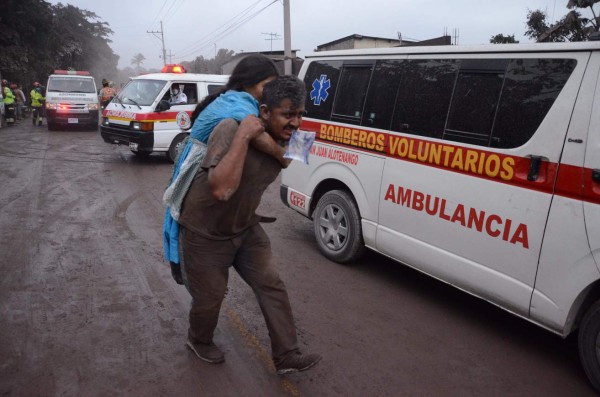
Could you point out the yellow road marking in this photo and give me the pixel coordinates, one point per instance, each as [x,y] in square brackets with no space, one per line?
[264,355]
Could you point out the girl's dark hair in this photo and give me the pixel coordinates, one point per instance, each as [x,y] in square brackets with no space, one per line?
[250,71]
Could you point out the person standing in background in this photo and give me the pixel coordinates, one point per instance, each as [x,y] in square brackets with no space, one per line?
[106,94]
[37,101]
[1,109]
[20,98]
[9,103]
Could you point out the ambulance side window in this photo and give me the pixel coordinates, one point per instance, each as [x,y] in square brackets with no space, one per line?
[212,88]
[486,102]
[424,97]
[321,81]
[191,91]
[530,88]
[381,97]
[501,103]
[351,92]
[475,101]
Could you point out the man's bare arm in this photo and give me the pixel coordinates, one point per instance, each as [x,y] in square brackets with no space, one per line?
[266,144]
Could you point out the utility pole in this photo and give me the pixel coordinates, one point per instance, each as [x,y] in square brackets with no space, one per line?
[273,36]
[287,39]
[162,40]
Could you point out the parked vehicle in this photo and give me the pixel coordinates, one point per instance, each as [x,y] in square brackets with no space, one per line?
[479,166]
[143,117]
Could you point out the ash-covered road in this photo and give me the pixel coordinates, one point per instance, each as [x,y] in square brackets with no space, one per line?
[88,306]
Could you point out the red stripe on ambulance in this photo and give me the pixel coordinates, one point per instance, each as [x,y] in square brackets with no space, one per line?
[160,116]
[498,167]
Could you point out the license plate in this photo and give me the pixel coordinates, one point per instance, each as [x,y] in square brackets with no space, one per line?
[133,146]
[73,120]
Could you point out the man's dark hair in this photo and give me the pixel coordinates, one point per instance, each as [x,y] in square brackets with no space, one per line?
[284,87]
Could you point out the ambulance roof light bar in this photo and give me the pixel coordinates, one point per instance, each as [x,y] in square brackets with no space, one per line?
[73,72]
[173,68]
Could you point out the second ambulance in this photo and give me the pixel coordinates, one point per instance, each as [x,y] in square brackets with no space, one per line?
[148,114]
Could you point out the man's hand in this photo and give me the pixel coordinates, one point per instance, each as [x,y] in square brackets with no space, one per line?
[250,128]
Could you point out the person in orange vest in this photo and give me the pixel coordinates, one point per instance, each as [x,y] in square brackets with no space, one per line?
[106,94]
[20,99]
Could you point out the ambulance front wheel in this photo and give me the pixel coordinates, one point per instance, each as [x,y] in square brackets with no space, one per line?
[589,344]
[176,147]
[337,227]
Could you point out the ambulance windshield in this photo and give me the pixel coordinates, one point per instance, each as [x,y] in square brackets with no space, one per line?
[71,84]
[141,92]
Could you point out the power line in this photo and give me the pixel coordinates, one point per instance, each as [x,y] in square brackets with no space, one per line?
[215,36]
[231,21]
[168,17]
[235,27]
[159,11]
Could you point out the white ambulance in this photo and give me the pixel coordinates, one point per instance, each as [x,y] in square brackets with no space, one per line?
[144,115]
[71,99]
[479,166]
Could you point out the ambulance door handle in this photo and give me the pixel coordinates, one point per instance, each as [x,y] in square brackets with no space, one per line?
[534,168]
[596,175]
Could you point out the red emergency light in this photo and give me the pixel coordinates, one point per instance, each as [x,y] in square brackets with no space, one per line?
[173,68]
[73,72]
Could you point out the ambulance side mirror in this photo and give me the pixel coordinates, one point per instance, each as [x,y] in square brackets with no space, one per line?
[162,106]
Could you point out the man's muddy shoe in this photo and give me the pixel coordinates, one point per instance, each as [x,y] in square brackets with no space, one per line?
[207,352]
[297,362]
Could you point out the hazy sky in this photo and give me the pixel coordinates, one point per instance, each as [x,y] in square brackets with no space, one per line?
[198,27]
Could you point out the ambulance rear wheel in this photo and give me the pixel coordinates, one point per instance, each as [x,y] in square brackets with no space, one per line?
[589,344]
[337,227]
[176,147]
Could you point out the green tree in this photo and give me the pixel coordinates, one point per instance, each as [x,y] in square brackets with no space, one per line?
[502,39]
[198,65]
[137,60]
[572,27]
[25,42]
[223,56]
[595,21]
[210,66]
[84,40]
[38,37]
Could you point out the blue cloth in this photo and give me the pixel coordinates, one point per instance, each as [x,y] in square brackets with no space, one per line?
[229,105]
